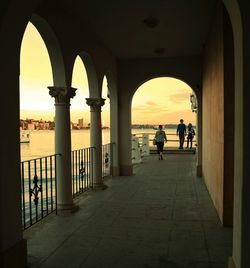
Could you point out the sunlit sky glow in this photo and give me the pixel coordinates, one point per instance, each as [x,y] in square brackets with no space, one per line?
[161,100]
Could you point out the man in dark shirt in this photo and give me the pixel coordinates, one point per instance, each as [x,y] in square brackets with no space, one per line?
[181,130]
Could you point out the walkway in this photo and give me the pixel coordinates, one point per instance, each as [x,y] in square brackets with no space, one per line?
[160,217]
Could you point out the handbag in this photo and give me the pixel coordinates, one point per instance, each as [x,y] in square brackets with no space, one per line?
[154,141]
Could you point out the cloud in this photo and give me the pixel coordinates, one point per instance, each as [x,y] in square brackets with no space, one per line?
[179,97]
[151,103]
[150,109]
[174,117]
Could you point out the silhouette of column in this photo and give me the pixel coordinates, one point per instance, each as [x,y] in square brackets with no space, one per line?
[96,140]
[62,97]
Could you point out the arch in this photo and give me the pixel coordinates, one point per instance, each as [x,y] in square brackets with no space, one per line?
[79,108]
[53,47]
[104,88]
[35,75]
[106,107]
[196,89]
[162,97]
[140,83]
[114,122]
[133,73]
[240,249]
[111,84]
[91,74]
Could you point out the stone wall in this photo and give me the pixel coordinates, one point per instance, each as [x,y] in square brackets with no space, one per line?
[218,114]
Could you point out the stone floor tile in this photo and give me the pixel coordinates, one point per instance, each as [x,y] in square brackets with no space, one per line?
[162,216]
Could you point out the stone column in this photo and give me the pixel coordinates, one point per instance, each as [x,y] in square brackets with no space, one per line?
[96,140]
[62,97]
[125,152]
[114,133]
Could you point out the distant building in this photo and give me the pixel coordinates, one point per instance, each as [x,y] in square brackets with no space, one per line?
[81,123]
[31,126]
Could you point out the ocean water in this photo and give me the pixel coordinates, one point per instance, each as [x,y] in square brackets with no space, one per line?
[42,142]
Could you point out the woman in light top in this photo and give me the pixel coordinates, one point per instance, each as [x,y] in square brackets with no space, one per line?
[160,138]
[190,136]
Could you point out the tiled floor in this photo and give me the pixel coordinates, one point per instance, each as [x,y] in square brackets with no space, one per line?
[160,217]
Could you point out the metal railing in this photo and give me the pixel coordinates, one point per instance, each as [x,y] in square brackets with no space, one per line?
[38,188]
[39,181]
[107,159]
[82,170]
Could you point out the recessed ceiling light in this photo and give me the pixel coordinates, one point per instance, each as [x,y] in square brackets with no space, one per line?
[151,22]
[160,50]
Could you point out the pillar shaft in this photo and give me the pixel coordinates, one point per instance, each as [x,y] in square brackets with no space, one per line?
[96,140]
[114,135]
[62,97]
[125,153]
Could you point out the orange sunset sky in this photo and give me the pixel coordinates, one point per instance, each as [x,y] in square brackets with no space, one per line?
[158,101]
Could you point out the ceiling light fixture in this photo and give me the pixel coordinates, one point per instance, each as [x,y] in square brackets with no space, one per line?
[151,22]
[159,51]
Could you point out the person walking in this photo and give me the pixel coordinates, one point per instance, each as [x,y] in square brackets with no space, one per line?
[160,138]
[181,131]
[190,135]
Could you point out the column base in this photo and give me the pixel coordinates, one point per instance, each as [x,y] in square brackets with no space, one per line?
[115,171]
[199,170]
[126,170]
[67,207]
[99,186]
[231,263]
[15,256]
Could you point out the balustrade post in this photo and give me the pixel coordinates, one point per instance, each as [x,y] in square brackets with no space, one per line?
[62,97]
[136,153]
[96,140]
[145,144]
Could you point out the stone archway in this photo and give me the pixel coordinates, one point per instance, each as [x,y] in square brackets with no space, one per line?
[53,48]
[240,255]
[112,92]
[91,74]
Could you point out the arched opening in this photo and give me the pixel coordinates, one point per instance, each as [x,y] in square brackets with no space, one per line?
[241,220]
[105,112]
[218,101]
[107,149]
[110,93]
[80,115]
[39,68]
[36,105]
[162,101]
[91,75]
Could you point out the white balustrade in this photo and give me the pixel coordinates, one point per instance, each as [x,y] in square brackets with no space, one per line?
[136,152]
[145,145]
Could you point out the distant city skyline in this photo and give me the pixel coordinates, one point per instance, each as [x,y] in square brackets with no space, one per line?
[158,101]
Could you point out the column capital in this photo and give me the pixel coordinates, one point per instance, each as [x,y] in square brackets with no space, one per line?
[95,103]
[62,95]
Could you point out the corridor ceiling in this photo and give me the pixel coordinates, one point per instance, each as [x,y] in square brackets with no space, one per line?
[175,27]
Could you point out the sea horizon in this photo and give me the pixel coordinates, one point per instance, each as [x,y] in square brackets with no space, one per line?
[42,141]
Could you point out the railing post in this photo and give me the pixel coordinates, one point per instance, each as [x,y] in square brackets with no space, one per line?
[145,144]
[107,159]
[136,153]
